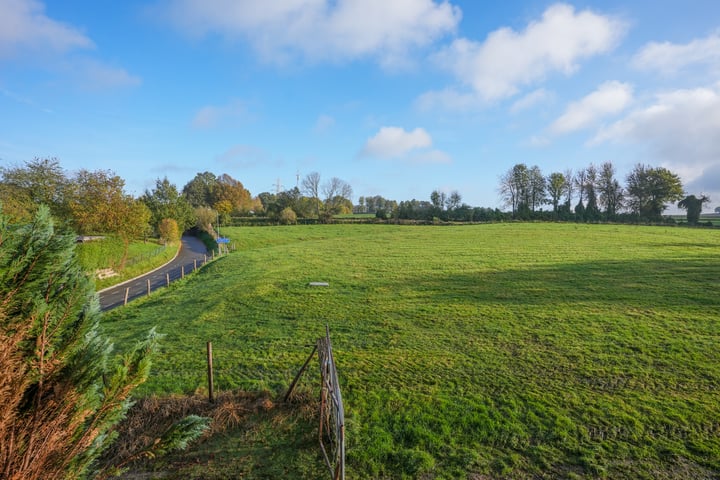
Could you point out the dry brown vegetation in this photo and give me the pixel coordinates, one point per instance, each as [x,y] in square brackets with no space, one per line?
[151,417]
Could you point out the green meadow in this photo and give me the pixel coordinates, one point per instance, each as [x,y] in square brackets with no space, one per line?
[477,351]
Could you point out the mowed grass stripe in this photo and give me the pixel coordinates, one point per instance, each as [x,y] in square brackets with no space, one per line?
[507,349]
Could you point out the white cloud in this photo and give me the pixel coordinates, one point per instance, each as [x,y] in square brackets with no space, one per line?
[448,99]
[681,129]
[320,29]
[609,99]
[669,57]
[24,26]
[97,75]
[211,116]
[530,100]
[395,142]
[28,34]
[508,60]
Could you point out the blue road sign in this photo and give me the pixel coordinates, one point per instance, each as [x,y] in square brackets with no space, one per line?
[223,240]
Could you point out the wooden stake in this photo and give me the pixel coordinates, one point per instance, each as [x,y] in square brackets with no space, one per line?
[167,278]
[211,392]
[148,283]
[297,377]
[182,271]
[127,292]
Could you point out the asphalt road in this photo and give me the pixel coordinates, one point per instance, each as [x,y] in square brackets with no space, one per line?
[192,255]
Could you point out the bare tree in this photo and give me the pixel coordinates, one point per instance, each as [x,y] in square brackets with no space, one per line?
[610,190]
[580,181]
[515,188]
[336,192]
[454,200]
[569,187]
[311,188]
[537,187]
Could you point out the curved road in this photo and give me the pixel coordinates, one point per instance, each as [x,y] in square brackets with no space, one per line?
[192,254]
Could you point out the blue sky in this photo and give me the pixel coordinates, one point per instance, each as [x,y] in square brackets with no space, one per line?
[396,97]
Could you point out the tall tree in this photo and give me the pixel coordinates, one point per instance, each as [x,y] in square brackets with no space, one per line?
[337,193]
[94,200]
[233,191]
[454,200]
[592,211]
[164,201]
[580,180]
[267,199]
[515,189]
[97,203]
[693,206]
[61,392]
[40,182]
[311,188]
[569,188]
[556,185]
[201,191]
[649,189]
[537,193]
[610,191]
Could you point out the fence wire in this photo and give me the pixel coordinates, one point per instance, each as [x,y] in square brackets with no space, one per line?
[331,433]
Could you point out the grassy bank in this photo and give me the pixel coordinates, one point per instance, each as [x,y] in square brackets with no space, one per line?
[107,253]
[504,350]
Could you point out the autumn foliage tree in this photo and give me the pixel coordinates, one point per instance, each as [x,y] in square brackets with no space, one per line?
[98,204]
[164,201]
[24,188]
[169,231]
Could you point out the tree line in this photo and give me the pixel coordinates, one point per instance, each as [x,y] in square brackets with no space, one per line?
[594,194]
[95,202]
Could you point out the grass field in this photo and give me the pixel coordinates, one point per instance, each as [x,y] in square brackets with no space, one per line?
[486,351]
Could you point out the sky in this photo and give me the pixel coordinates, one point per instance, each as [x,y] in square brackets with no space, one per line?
[396,97]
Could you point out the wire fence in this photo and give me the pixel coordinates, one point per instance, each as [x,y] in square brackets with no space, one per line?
[125,292]
[331,431]
[332,413]
[144,256]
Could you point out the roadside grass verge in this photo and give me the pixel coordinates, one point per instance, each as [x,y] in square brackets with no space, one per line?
[107,254]
[503,350]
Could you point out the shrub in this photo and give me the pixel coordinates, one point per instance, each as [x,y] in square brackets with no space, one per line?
[169,231]
[288,216]
[61,393]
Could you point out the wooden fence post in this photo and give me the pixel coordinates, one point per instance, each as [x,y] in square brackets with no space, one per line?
[211,392]
[194,264]
[127,292]
[148,284]
[167,279]
[182,271]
